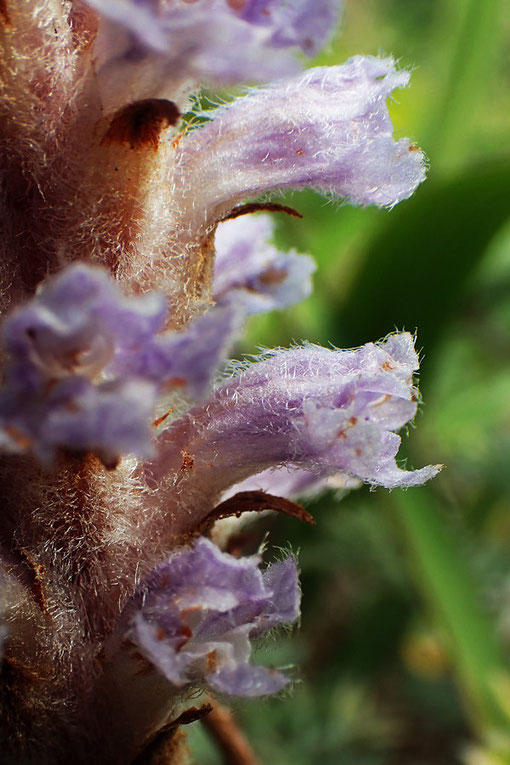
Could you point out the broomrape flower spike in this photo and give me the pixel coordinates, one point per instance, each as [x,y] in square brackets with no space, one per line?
[129,264]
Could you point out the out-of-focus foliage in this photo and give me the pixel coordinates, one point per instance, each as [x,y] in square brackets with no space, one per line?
[404,648]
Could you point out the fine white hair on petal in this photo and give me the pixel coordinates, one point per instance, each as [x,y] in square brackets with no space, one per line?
[328,129]
[325,411]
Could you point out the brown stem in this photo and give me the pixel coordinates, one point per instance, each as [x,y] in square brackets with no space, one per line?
[223,729]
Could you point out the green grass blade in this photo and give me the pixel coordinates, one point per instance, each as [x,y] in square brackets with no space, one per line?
[473,42]
[449,584]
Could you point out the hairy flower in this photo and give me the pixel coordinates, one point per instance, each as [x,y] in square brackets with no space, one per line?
[251,272]
[201,609]
[184,45]
[309,408]
[86,364]
[328,128]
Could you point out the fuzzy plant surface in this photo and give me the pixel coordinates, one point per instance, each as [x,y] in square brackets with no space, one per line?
[132,251]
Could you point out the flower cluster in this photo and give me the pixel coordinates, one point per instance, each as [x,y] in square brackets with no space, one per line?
[130,260]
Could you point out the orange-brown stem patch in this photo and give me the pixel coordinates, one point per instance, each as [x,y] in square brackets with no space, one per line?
[235,748]
[4,13]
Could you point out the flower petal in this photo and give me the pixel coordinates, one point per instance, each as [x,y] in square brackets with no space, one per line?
[247,680]
[85,364]
[195,615]
[322,410]
[307,23]
[207,42]
[251,272]
[328,129]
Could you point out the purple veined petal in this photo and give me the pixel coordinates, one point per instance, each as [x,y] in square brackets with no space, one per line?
[168,661]
[279,602]
[195,615]
[60,346]
[283,581]
[194,570]
[76,323]
[85,363]
[83,294]
[283,482]
[328,129]
[313,408]
[364,447]
[178,52]
[250,271]
[110,420]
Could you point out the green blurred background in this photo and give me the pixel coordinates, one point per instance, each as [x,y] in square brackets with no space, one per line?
[403,653]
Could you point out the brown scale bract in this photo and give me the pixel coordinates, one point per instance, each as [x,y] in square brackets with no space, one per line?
[141,123]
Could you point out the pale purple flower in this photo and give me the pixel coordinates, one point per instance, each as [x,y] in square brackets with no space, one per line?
[85,365]
[328,128]
[251,272]
[325,410]
[306,23]
[178,45]
[199,611]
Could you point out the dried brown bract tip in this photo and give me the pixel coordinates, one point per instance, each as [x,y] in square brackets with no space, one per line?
[141,123]
[255,501]
[253,207]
